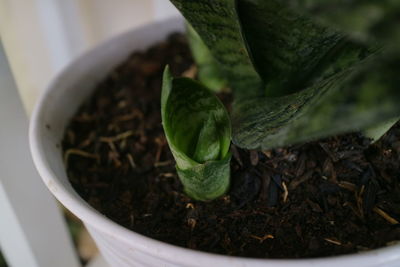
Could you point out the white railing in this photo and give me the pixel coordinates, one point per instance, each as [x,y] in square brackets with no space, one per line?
[32,230]
[39,38]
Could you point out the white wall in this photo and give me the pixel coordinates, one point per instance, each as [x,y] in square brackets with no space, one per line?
[41,36]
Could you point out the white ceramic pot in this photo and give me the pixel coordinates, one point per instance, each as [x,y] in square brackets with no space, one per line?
[120,246]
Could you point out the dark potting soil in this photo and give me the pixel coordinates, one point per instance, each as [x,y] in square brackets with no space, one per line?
[333,196]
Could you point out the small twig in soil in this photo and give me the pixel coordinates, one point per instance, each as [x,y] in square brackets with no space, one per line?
[191,72]
[131,161]
[122,104]
[348,186]
[87,141]
[329,170]
[333,241]
[267,153]
[297,181]
[78,152]
[163,163]
[114,156]
[263,238]
[192,223]
[117,137]
[168,175]
[112,147]
[161,142]
[285,192]
[359,200]
[386,216]
[226,199]
[123,144]
[190,206]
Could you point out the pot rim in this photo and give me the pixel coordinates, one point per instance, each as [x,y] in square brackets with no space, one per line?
[160,249]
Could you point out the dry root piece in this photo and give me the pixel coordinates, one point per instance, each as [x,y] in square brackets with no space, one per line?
[118,137]
[163,163]
[131,161]
[191,72]
[333,241]
[263,238]
[161,142]
[285,192]
[190,206]
[386,216]
[359,200]
[192,223]
[348,186]
[167,175]
[78,152]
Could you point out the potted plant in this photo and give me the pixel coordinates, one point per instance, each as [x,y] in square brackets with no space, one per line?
[292,79]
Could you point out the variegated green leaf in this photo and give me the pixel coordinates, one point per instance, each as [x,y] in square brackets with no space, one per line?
[198,131]
[317,81]
[217,22]
[287,49]
[355,98]
[263,48]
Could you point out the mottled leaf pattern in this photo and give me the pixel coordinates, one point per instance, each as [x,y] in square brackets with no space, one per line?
[315,80]
[286,48]
[217,22]
[349,100]
[198,131]
[206,181]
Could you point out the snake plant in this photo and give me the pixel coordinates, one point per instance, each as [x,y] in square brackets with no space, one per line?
[297,72]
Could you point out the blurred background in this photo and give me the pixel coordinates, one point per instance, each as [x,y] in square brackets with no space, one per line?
[41,36]
[38,38]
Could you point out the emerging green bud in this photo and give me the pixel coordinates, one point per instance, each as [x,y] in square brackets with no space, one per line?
[198,131]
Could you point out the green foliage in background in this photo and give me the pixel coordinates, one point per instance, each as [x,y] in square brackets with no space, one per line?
[209,73]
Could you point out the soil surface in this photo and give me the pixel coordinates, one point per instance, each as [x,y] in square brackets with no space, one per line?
[333,196]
